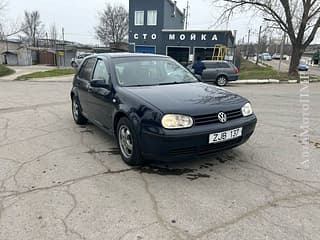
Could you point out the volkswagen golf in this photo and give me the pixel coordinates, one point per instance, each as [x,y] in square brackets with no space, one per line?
[156,109]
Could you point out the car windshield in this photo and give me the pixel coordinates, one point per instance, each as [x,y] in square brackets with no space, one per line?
[150,72]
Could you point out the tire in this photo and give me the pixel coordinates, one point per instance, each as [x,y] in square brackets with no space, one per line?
[76,112]
[222,81]
[128,143]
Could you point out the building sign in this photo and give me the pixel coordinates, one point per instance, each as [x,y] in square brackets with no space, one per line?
[192,37]
[179,36]
[145,36]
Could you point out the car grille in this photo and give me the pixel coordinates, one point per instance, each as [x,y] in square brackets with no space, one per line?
[204,149]
[213,118]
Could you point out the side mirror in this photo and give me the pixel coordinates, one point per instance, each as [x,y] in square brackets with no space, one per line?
[74,64]
[97,83]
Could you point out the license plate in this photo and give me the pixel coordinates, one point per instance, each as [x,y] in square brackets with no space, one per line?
[225,136]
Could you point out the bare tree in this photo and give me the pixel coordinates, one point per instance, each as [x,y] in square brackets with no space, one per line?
[8,27]
[114,25]
[32,27]
[300,19]
[2,6]
[53,33]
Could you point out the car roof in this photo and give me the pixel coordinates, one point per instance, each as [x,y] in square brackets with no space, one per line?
[209,61]
[128,55]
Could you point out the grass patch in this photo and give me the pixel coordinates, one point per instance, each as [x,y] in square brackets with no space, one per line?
[250,70]
[4,71]
[50,73]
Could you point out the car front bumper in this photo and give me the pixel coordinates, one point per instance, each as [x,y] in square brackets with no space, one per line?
[173,145]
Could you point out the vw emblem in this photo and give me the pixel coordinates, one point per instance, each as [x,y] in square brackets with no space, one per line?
[222,117]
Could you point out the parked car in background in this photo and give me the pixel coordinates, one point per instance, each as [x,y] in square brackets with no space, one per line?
[303,67]
[157,109]
[277,56]
[265,57]
[218,72]
[75,62]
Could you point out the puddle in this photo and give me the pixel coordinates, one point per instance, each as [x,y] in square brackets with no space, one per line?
[203,170]
[87,131]
[190,173]
[114,151]
[111,151]
[196,176]
[165,171]
[315,144]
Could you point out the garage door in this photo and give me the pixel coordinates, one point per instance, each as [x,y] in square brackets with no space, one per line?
[145,49]
[180,54]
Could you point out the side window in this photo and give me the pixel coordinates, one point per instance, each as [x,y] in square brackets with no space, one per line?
[211,65]
[139,18]
[208,65]
[101,72]
[223,65]
[152,18]
[86,70]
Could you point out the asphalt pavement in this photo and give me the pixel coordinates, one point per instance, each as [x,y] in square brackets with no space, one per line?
[66,182]
[284,67]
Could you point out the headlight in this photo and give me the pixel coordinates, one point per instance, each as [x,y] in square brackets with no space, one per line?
[174,121]
[247,110]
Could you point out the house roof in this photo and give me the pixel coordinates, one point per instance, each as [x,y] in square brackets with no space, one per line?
[17,41]
[9,52]
[173,3]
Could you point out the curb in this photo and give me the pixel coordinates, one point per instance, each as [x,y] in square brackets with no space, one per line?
[255,81]
[266,81]
[44,79]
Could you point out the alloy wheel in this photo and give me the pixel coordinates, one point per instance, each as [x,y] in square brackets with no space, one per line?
[125,141]
[222,81]
[75,109]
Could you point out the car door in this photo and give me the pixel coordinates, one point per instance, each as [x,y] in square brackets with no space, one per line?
[210,73]
[82,83]
[100,99]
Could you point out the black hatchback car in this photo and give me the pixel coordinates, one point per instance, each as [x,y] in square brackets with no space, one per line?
[157,109]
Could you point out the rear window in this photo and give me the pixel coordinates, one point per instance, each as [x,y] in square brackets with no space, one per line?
[223,65]
[216,65]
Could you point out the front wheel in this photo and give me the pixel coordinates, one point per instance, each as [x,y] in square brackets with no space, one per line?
[76,112]
[222,81]
[128,143]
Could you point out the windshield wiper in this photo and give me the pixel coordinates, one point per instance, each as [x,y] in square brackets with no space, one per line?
[140,85]
[172,83]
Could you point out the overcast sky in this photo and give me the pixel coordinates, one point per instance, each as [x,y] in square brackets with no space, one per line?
[79,17]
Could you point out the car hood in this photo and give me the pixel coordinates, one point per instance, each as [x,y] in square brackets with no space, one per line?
[191,98]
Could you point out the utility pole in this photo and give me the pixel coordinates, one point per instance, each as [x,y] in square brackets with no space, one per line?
[47,46]
[281,51]
[234,49]
[187,15]
[258,47]
[64,49]
[248,44]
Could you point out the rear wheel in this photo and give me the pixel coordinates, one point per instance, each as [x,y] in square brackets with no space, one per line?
[76,112]
[222,81]
[128,143]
